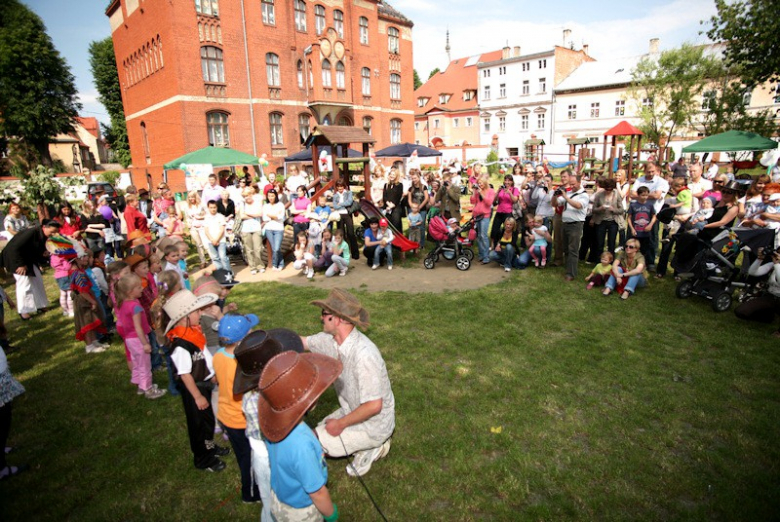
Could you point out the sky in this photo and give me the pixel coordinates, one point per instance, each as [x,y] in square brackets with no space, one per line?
[611,30]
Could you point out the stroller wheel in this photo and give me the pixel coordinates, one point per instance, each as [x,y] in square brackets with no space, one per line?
[429,263]
[463,263]
[722,301]
[468,253]
[684,289]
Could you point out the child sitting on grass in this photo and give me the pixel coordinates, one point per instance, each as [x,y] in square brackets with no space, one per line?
[341,255]
[325,259]
[304,255]
[600,273]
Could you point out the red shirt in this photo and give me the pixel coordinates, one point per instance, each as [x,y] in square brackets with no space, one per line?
[68,229]
[135,220]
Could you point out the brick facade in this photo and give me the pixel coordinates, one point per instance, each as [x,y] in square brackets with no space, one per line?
[158,48]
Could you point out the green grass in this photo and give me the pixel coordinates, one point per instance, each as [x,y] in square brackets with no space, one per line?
[532,399]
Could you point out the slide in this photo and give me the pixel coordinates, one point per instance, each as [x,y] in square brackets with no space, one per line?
[370,210]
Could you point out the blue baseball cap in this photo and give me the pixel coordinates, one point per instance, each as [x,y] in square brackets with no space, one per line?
[233,328]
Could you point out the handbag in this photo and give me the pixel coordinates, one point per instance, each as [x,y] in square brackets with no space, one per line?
[354,207]
[517,209]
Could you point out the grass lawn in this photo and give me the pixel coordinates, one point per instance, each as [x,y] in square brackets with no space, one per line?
[532,399]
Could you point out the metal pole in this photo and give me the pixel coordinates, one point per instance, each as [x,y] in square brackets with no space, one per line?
[249,82]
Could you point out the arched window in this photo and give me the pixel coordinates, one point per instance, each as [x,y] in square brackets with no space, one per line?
[338,22]
[344,121]
[272,69]
[299,70]
[145,135]
[340,75]
[367,121]
[211,64]
[275,126]
[365,80]
[319,19]
[393,41]
[326,74]
[207,7]
[219,132]
[395,131]
[300,15]
[303,126]
[363,30]
[269,16]
[311,76]
[395,86]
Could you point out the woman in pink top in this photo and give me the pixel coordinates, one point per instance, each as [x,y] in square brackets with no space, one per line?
[300,209]
[482,199]
[506,196]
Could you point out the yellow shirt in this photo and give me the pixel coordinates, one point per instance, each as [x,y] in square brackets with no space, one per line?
[229,412]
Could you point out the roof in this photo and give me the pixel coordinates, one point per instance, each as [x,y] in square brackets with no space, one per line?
[90,125]
[624,129]
[336,134]
[591,75]
[389,11]
[460,75]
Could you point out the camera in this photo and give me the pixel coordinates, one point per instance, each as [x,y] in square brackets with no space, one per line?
[558,192]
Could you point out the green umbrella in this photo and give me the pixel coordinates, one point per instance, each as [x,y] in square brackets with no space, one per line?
[216,156]
[732,141]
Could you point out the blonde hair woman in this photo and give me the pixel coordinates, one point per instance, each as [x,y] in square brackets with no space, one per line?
[194,215]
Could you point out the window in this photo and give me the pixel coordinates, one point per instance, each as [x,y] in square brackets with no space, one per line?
[395,86]
[524,122]
[455,123]
[595,110]
[647,102]
[747,96]
[501,123]
[572,112]
[436,123]
[367,120]
[620,108]
[275,126]
[319,19]
[502,70]
[269,16]
[393,41]
[540,121]
[272,69]
[365,80]
[395,131]
[207,7]
[527,66]
[486,73]
[468,95]
[219,133]
[338,22]
[300,15]
[502,90]
[416,125]
[776,98]
[486,124]
[147,154]
[469,121]
[486,92]
[344,121]
[594,139]
[299,72]
[542,85]
[303,126]
[211,64]
[311,76]
[327,79]
[340,75]
[543,64]
[526,87]
[363,30]
[708,99]
[444,98]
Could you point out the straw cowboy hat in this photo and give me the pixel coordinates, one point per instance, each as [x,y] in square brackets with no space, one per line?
[256,350]
[289,385]
[345,305]
[183,303]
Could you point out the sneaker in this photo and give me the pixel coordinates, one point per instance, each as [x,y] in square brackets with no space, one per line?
[95,348]
[71,314]
[154,392]
[253,272]
[544,262]
[221,451]
[389,267]
[363,460]
[342,273]
[215,466]
[590,285]
[507,269]
[139,391]
[310,274]
[262,270]
[374,267]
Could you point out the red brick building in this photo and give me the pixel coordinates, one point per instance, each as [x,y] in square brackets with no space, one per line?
[257,75]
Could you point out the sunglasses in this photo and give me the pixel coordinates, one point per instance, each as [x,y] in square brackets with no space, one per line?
[325,313]
[631,246]
[716,182]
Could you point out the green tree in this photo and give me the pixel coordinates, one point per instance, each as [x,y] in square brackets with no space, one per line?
[667,90]
[750,28]
[102,61]
[41,190]
[491,159]
[110,176]
[433,72]
[38,97]
[417,81]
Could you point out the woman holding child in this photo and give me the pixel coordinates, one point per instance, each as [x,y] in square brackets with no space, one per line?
[628,271]
[418,196]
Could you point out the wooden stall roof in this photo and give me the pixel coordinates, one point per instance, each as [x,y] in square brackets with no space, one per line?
[535,142]
[577,141]
[336,134]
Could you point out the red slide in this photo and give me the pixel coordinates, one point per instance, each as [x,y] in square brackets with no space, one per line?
[400,241]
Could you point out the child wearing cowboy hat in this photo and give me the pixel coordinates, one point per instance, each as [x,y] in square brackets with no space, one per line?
[193,375]
[290,385]
[251,356]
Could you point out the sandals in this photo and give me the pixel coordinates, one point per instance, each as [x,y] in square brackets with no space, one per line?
[625,295]
[12,471]
[606,292]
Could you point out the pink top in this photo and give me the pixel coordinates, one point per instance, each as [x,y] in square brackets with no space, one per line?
[505,200]
[483,206]
[125,317]
[301,204]
[60,265]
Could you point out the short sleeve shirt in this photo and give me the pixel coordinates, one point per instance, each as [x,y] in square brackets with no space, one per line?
[653,185]
[298,466]
[641,215]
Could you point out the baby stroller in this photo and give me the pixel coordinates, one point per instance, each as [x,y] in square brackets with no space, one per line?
[712,273]
[235,247]
[449,244]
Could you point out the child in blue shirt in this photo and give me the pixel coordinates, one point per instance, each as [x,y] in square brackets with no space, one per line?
[323,210]
[415,224]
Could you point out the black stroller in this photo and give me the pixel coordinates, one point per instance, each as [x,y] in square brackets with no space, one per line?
[450,245]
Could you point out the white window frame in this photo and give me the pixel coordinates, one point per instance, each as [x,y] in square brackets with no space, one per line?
[395,86]
[340,75]
[300,15]
[272,70]
[395,131]
[327,74]
[338,22]
[365,81]
[393,40]
[269,12]
[276,129]
[363,23]
[319,19]
[572,114]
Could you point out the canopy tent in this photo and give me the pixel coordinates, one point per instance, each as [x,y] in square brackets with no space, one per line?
[215,156]
[732,141]
[305,155]
[405,150]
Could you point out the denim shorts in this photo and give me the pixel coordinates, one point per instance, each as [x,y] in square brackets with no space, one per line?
[63,283]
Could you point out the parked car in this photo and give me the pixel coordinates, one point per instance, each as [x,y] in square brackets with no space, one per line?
[101,187]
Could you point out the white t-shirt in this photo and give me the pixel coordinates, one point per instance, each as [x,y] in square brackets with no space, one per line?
[183,361]
[215,224]
[654,185]
[698,187]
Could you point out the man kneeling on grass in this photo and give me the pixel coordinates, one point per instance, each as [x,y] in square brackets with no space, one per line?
[366,420]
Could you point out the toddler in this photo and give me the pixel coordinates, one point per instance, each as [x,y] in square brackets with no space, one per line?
[315,236]
[173,225]
[184,251]
[168,283]
[323,210]
[600,273]
[88,315]
[326,253]
[415,224]
[171,257]
[539,247]
[385,237]
[61,266]
[699,219]
[340,257]
[683,203]
[304,255]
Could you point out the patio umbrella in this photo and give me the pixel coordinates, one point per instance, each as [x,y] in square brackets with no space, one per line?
[405,150]
[216,156]
[732,141]
[305,155]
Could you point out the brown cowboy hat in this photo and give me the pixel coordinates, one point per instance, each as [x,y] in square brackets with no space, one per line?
[134,259]
[290,384]
[254,352]
[345,305]
[135,235]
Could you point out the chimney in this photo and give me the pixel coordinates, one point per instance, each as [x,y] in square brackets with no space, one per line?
[505,53]
[566,37]
[585,48]
[516,51]
[654,42]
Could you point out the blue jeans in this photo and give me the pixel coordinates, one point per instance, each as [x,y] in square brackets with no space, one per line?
[275,237]
[388,250]
[483,239]
[218,255]
[633,281]
[507,257]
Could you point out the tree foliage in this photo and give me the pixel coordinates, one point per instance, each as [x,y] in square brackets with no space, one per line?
[111,176]
[38,97]
[751,29]
[433,72]
[102,61]
[667,90]
[417,81]
[41,190]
